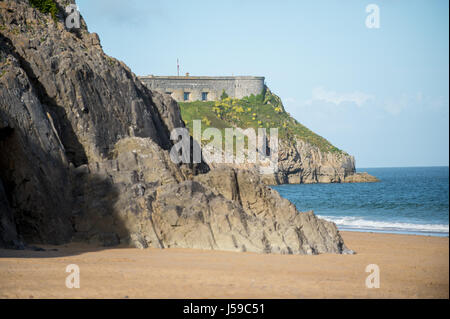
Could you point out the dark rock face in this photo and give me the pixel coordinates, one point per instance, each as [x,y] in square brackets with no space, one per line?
[84,156]
[8,229]
[34,168]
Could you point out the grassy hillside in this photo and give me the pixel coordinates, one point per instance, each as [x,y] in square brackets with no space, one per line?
[264,110]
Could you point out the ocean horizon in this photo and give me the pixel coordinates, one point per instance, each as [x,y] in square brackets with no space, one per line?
[407,200]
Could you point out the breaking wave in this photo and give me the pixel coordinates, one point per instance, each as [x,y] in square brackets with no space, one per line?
[358,223]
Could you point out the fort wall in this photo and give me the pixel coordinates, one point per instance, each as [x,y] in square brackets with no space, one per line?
[204,88]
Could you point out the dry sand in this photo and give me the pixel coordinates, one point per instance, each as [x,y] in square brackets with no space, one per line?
[410,267]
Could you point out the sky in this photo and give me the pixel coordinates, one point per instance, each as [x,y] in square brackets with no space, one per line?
[380,94]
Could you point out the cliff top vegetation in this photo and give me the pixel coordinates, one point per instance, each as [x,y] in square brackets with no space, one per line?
[264,110]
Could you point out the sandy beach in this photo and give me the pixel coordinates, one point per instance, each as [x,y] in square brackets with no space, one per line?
[410,267]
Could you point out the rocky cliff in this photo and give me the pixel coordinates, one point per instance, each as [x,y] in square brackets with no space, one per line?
[303,156]
[308,158]
[84,156]
[300,162]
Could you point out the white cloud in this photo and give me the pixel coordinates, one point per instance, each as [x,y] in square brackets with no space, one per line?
[417,101]
[321,94]
[397,105]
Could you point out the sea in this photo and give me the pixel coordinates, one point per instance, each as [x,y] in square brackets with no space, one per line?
[407,200]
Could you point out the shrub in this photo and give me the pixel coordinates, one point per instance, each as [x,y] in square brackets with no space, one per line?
[45,6]
[224,95]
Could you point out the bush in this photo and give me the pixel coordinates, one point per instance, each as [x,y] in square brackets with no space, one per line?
[46,6]
[224,95]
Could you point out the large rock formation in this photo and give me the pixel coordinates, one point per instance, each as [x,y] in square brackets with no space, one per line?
[303,156]
[85,156]
[301,162]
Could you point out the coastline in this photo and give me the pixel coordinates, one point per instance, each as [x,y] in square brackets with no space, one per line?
[411,266]
[389,232]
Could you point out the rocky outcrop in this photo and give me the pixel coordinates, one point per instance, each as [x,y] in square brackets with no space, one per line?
[303,157]
[85,157]
[284,224]
[302,163]
[151,203]
[362,177]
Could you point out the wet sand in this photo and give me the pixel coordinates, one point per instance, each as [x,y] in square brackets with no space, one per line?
[410,267]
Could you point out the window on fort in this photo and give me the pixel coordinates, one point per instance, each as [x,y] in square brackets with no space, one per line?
[204,96]
[186,96]
[170,93]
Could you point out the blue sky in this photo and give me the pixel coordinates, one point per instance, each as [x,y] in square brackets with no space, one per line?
[379,94]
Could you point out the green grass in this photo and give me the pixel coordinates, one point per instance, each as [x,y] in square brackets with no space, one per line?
[45,6]
[264,110]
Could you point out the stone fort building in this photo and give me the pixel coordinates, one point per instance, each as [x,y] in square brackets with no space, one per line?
[204,88]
